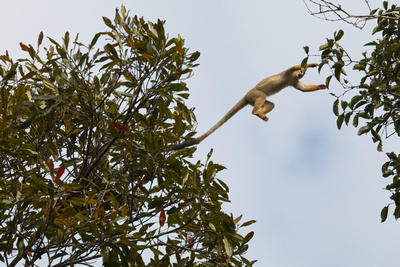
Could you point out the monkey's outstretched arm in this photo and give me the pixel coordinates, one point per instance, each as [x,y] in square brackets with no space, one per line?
[309,88]
[241,104]
[310,65]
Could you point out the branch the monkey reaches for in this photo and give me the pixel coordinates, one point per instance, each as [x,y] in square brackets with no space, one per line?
[257,97]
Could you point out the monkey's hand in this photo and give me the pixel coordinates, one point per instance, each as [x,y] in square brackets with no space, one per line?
[321,87]
[312,65]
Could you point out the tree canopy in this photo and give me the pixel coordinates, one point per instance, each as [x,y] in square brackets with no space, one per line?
[374,102]
[86,170]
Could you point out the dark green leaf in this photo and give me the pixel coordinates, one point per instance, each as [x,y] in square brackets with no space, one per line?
[385,4]
[338,35]
[347,117]
[328,80]
[336,107]
[248,223]
[355,120]
[396,212]
[344,104]
[340,120]
[376,135]
[384,213]
[28,122]
[355,100]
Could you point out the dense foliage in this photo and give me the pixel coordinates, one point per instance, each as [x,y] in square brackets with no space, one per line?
[374,105]
[85,166]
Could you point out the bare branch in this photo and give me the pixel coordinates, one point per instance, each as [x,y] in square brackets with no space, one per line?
[334,12]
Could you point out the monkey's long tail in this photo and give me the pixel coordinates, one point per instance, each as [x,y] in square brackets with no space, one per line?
[241,104]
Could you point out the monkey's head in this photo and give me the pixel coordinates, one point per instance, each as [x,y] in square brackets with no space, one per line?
[300,74]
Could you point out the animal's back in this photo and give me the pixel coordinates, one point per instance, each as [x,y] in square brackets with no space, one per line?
[272,84]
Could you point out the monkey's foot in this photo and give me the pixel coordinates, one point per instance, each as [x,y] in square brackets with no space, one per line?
[262,116]
[322,86]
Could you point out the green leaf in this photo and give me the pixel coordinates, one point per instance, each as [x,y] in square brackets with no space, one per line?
[328,80]
[66,39]
[396,212]
[355,120]
[359,104]
[386,172]
[110,48]
[94,40]
[45,97]
[304,63]
[339,121]
[248,237]
[50,86]
[385,4]
[107,21]
[380,146]
[209,154]
[338,35]
[28,122]
[194,56]
[347,117]
[384,213]
[336,107]
[228,248]
[248,223]
[364,129]
[376,135]
[324,46]
[355,100]
[338,70]
[344,104]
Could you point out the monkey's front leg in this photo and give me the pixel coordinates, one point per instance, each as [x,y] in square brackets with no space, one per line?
[311,65]
[309,88]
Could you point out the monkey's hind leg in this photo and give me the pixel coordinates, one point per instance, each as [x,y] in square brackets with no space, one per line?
[267,107]
[262,107]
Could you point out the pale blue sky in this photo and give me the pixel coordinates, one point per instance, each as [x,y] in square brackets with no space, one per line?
[315,192]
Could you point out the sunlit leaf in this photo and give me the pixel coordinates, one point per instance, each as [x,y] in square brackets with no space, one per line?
[364,130]
[228,247]
[123,11]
